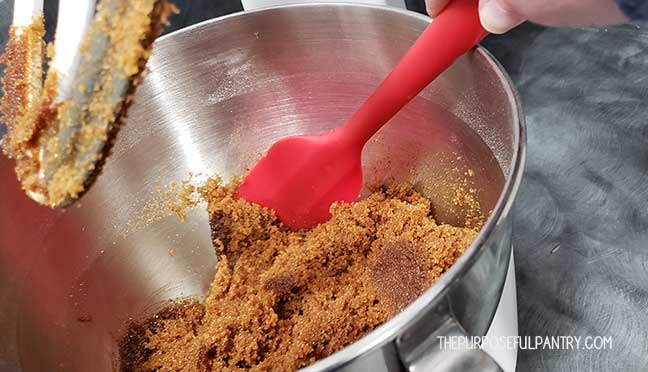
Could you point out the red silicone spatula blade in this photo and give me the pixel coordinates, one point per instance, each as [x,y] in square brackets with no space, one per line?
[300,177]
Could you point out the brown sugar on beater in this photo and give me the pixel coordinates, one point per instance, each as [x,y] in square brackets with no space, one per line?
[59,146]
[282,299]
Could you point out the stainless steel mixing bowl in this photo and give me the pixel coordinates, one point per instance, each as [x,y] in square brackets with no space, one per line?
[217,95]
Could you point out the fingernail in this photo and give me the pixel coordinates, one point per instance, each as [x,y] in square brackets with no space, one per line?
[496,19]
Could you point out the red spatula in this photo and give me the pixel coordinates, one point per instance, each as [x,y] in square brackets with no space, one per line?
[300,177]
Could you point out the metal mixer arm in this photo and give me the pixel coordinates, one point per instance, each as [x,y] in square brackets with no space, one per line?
[60,131]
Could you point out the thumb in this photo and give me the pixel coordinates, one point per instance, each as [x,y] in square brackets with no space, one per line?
[497,17]
[433,7]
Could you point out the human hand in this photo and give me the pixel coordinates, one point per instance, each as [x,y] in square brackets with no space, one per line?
[499,16]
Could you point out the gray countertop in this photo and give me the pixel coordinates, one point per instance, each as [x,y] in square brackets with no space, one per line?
[581,218]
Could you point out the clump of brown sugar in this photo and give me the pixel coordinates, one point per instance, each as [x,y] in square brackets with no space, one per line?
[283,299]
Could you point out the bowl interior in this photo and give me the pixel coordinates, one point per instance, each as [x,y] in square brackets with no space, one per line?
[217,96]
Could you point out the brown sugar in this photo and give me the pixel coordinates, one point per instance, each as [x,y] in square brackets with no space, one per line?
[71,164]
[282,299]
[59,146]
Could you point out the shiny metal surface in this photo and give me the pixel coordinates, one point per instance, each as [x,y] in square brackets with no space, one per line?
[431,355]
[217,96]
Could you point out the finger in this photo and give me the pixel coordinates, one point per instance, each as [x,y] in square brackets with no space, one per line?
[434,6]
[497,17]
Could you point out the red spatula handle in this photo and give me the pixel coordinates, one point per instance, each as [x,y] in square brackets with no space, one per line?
[454,31]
